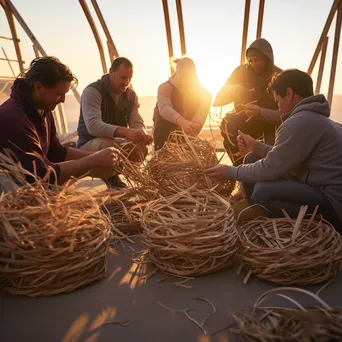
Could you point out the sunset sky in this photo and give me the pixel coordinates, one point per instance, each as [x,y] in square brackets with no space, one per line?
[213,31]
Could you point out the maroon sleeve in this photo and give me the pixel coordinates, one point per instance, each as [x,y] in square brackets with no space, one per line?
[237,76]
[57,152]
[22,139]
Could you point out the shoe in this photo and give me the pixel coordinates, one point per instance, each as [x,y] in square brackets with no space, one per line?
[251,213]
[114,182]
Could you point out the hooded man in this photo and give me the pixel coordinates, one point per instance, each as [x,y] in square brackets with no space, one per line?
[304,167]
[255,112]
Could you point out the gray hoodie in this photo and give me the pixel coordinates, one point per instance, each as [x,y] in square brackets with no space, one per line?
[308,149]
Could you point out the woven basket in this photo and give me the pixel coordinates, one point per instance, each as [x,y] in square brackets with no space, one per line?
[180,165]
[51,241]
[287,251]
[191,233]
[283,324]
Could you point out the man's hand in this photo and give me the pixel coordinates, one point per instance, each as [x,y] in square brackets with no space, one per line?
[106,158]
[252,110]
[218,172]
[134,135]
[246,143]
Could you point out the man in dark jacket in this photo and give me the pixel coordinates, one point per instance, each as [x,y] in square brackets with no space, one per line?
[27,126]
[109,117]
[255,109]
[304,167]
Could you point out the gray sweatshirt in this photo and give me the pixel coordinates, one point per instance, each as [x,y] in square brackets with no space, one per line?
[308,149]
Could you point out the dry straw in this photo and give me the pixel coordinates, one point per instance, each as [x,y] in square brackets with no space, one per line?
[283,324]
[125,208]
[190,233]
[288,251]
[52,239]
[181,162]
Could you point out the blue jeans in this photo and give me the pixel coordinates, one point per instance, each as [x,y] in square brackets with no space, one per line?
[6,185]
[290,196]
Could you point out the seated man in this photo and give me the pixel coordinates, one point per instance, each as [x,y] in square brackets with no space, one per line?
[182,104]
[255,108]
[305,165]
[109,117]
[27,126]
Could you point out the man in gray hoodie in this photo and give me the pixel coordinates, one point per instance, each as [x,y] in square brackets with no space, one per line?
[248,83]
[304,167]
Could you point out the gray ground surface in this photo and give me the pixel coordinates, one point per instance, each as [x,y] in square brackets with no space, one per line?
[124,295]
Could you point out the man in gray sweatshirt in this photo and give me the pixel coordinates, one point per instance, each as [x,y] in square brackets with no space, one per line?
[304,167]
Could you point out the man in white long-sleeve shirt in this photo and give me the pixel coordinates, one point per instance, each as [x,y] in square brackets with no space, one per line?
[109,117]
[182,104]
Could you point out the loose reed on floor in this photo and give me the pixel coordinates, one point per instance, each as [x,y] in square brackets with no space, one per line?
[283,324]
[190,233]
[52,239]
[288,251]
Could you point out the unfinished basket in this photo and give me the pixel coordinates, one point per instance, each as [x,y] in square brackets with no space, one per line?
[181,162]
[283,324]
[51,241]
[287,251]
[125,208]
[191,233]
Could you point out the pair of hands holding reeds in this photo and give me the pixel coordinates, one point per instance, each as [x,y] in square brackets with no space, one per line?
[189,127]
[246,144]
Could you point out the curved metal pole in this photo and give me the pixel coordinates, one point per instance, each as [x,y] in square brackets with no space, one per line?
[323,35]
[335,53]
[260,18]
[168,33]
[181,26]
[113,52]
[95,33]
[245,31]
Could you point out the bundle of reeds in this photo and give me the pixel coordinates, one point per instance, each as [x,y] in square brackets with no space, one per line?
[291,251]
[282,324]
[190,233]
[181,162]
[52,239]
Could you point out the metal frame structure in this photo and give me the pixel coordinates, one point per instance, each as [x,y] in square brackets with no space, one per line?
[11,14]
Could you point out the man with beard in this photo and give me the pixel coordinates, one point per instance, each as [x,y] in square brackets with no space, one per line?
[255,112]
[109,117]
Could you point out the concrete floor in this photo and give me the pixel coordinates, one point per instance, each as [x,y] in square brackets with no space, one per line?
[124,296]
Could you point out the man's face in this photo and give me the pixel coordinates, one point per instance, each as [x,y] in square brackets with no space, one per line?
[258,64]
[286,103]
[48,98]
[120,79]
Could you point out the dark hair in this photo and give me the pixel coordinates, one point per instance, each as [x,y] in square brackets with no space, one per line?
[121,60]
[299,81]
[48,71]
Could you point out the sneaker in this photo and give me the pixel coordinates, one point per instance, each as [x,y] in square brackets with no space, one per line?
[114,182]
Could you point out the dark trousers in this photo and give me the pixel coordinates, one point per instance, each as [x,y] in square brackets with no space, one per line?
[290,196]
[254,127]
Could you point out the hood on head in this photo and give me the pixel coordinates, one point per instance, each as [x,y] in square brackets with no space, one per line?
[264,47]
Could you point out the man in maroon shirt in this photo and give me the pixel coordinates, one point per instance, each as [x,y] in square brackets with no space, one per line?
[27,127]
